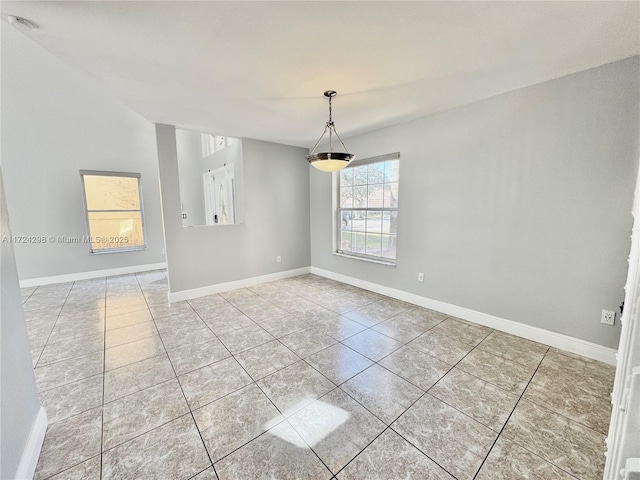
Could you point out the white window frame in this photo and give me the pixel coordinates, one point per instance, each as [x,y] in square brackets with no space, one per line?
[124,248]
[338,211]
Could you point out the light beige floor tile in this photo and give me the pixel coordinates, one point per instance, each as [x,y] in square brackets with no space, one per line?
[416,367]
[307,342]
[72,398]
[232,421]
[508,461]
[213,381]
[383,393]
[336,427]
[509,376]
[294,387]
[266,359]
[174,450]
[456,442]
[562,442]
[390,457]
[279,453]
[140,412]
[372,345]
[69,442]
[192,356]
[338,363]
[136,376]
[476,398]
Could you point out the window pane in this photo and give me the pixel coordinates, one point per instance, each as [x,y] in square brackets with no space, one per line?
[360,197]
[345,240]
[346,197]
[358,220]
[115,230]
[359,175]
[375,196]
[346,177]
[346,217]
[386,222]
[111,193]
[358,242]
[392,170]
[375,172]
[374,222]
[391,195]
[389,246]
[373,244]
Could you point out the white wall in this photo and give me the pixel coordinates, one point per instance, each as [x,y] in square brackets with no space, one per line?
[55,122]
[276,202]
[518,206]
[19,404]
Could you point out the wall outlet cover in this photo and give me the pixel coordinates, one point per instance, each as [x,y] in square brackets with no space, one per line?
[608,317]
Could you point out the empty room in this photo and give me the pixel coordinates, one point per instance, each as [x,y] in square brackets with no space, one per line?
[320,240]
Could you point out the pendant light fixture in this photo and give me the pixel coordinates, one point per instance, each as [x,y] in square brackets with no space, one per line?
[330,161]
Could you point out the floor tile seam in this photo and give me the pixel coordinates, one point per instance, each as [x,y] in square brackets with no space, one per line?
[73,381]
[525,447]
[506,422]
[485,381]
[184,396]
[66,469]
[410,381]
[54,325]
[566,417]
[132,341]
[307,444]
[125,326]
[104,404]
[484,349]
[235,390]
[321,350]
[141,434]
[501,388]
[247,442]
[452,337]
[372,413]
[202,471]
[386,427]
[59,360]
[95,407]
[369,358]
[420,450]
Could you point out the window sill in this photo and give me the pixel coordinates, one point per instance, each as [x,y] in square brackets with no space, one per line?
[363,259]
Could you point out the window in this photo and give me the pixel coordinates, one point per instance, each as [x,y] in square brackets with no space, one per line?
[114,211]
[368,208]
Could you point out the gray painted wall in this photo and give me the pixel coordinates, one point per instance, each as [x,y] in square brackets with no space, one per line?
[56,121]
[276,201]
[517,206]
[19,404]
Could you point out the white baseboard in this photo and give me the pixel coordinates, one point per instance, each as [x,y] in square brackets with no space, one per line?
[553,339]
[72,277]
[224,287]
[31,452]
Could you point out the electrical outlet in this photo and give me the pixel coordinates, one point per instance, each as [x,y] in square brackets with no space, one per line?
[608,317]
[421,277]
[279,259]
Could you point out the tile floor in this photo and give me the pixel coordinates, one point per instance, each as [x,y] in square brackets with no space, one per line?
[303,378]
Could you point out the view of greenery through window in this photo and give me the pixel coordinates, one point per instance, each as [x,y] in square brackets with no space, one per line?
[368,209]
[114,212]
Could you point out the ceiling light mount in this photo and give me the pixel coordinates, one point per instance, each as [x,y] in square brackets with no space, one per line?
[20,23]
[330,161]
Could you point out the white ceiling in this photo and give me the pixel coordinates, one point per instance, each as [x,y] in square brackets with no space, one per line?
[258,69]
